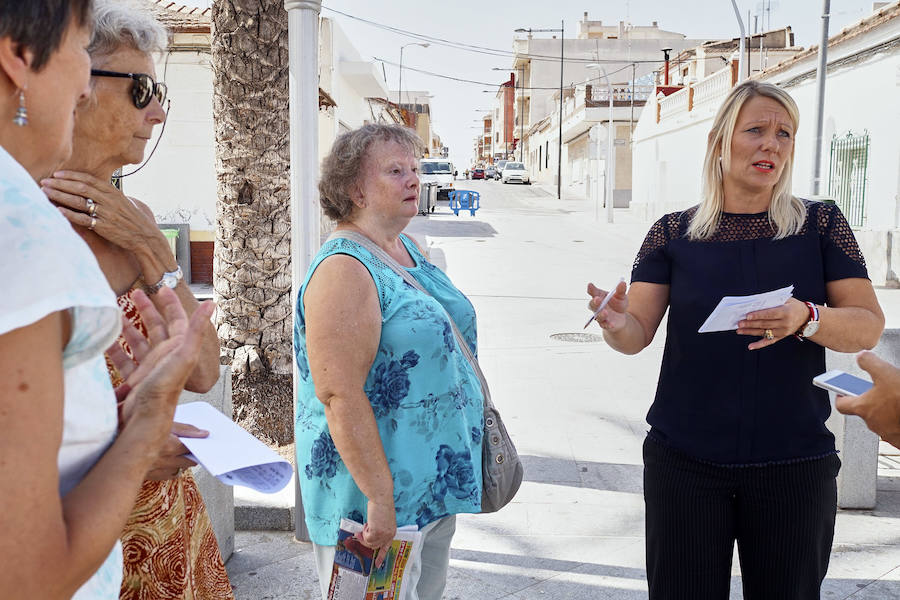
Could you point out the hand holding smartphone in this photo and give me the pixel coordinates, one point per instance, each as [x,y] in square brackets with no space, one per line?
[842,383]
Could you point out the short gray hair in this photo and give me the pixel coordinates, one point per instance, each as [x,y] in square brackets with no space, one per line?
[128,23]
[343,166]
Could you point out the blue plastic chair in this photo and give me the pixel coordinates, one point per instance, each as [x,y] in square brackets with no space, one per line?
[464,200]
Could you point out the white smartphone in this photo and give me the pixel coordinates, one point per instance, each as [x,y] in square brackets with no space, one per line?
[842,383]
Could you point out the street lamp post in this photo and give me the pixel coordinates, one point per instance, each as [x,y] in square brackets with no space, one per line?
[740,21]
[665,52]
[816,184]
[562,37]
[400,83]
[610,148]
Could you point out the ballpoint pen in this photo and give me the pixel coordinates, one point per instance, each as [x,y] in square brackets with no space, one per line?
[604,303]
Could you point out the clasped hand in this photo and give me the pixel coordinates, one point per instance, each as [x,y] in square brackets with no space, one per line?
[80,196]
[154,379]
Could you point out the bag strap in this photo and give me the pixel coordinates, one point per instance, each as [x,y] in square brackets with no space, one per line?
[387,259]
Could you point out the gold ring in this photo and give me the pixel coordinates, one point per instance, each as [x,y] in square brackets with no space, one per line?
[93,223]
[769,334]
[91,207]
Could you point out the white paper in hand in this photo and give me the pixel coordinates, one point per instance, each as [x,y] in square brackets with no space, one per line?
[230,453]
[732,309]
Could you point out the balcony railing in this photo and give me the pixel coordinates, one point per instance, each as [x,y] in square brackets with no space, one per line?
[597,96]
[674,104]
[708,91]
[712,88]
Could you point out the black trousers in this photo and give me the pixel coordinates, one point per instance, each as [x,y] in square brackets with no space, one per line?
[782,517]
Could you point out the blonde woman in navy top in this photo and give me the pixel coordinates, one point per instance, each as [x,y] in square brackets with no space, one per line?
[738,450]
[389,414]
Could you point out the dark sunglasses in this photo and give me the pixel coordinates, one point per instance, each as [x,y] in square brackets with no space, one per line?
[142,90]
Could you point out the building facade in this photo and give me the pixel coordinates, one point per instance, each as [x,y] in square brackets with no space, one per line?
[629,54]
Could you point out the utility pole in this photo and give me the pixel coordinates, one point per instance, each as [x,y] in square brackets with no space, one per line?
[303,52]
[521,115]
[816,183]
[737,15]
[562,37]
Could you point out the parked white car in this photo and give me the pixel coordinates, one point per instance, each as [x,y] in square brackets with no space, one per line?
[440,171]
[515,172]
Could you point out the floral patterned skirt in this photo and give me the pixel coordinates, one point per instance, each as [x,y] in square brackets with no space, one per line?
[169,547]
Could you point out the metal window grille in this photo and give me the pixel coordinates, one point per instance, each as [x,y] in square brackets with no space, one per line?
[848,175]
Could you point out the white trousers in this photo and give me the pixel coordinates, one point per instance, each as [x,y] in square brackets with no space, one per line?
[425,578]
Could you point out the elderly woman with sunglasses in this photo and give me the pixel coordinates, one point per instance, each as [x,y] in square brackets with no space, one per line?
[169,546]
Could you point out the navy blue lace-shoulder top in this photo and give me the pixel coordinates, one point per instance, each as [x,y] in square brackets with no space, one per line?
[716,400]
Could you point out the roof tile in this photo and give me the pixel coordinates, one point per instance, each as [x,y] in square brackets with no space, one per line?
[179,18]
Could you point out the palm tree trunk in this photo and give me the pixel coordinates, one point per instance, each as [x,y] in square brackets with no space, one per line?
[252,262]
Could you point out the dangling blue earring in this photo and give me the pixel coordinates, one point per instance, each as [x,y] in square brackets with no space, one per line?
[21,118]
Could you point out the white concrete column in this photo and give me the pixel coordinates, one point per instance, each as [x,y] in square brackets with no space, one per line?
[303,34]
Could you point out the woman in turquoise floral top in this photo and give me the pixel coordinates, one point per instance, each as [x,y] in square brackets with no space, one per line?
[389,418]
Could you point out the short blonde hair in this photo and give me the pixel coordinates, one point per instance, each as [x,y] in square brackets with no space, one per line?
[786,212]
[343,166]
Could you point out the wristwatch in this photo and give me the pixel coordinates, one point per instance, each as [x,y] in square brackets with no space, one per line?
[812,325]
[169,279]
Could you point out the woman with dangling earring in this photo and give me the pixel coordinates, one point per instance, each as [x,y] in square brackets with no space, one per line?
[169,546]
[70,472]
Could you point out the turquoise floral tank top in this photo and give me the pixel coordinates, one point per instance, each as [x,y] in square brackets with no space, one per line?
[427,402]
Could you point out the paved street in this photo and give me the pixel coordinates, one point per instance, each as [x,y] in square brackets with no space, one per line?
[576,411]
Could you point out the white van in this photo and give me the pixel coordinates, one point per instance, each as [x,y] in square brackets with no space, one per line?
[440,171]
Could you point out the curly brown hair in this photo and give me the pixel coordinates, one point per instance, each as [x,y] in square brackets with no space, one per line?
[343,166]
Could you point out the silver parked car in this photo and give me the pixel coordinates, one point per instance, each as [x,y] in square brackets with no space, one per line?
[515,172]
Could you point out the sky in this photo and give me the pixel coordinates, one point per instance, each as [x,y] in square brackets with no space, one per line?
[456,106]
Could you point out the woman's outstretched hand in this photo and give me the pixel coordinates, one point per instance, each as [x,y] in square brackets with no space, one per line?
[155,378]
[612,317]
[880,406]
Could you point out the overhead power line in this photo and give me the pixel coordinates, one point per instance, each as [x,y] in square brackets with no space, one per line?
[494,84]
[483,49]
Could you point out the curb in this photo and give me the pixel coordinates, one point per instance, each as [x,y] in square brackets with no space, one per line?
[263,518]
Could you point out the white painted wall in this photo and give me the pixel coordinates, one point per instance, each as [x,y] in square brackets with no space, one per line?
[352,108]
[666,161]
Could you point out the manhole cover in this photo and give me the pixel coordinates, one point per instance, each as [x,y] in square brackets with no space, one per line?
[587,338]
